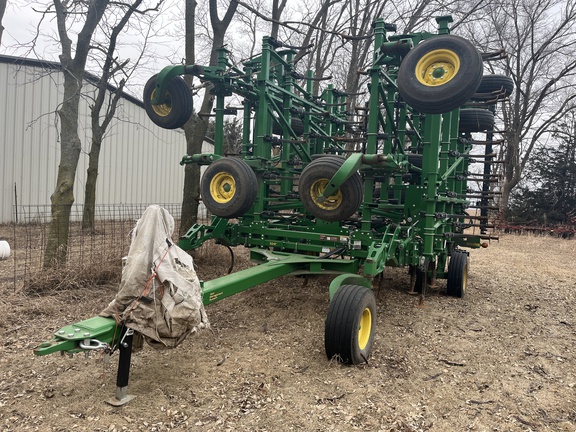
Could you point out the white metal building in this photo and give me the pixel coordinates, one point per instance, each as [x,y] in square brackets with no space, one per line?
[139,162]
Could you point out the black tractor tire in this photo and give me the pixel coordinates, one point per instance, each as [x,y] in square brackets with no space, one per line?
[297,126]
[313,180]
[493,87]
[416,160]
[476,120]
[457,274]
[350,325]
[177,106]
[440,74]
[229,187]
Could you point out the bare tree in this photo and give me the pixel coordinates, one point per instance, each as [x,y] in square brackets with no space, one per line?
[73,61]
[2,10]
[191,192]
[195,135]
[251,22]
[100,122]
[539,37]
[362,16]
[277,8]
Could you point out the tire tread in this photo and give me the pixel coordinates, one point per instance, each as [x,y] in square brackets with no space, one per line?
[339,336]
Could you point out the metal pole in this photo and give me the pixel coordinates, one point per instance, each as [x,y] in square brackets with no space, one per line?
[123,374]
[16,202]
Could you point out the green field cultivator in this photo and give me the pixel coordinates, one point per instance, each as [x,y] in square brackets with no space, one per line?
[320,187]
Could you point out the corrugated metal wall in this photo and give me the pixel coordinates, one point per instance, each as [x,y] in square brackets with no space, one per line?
[138,161]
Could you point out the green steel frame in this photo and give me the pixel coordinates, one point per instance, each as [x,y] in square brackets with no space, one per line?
[419,214]
[413,166]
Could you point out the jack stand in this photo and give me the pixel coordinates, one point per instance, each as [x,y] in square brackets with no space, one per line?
[125,347]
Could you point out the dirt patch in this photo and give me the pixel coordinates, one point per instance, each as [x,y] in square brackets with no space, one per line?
[502,359]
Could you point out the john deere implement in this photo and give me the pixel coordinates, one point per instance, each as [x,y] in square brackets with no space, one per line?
[320,187]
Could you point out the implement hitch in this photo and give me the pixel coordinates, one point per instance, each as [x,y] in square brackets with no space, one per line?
[96,333]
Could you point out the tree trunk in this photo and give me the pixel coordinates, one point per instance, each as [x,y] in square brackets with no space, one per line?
[196,129]
[110,67]
[191,192]
[2,9]
[512,174]
[88,214]
[277,9]
[70,146]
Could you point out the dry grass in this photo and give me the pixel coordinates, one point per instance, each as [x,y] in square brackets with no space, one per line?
[102,269]
[74,276]
[212,260]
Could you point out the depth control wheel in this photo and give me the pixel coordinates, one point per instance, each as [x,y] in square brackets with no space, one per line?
[296,124]
[494,87]
[440,74]
[457,274]
[176,107]
[314,179]
[229,187]
[350,325]
[475,120]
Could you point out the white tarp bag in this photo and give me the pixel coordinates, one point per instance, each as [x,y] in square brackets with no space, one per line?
[159,295]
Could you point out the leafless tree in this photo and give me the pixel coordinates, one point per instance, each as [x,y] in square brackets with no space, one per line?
[195,134]
[105,99]
[539,37]
[359,46]
[277,8]
[251,22]
[2,10]
[73,60]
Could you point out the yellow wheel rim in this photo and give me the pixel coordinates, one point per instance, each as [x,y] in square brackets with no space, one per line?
[222,187]
[437,67]
[163,109]
[365,329]
[330,203]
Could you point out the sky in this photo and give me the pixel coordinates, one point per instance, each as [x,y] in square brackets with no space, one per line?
[21,19]
[19,23]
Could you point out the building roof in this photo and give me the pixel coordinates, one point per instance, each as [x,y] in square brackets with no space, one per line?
[22,61]
[94,79]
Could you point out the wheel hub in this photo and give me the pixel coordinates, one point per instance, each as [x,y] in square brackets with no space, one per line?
[223,187]
[331,202]
[162,109]
[365,328]
[437,67]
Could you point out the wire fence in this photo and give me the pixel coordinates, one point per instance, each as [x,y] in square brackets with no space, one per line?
[107,243]
[42,214]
